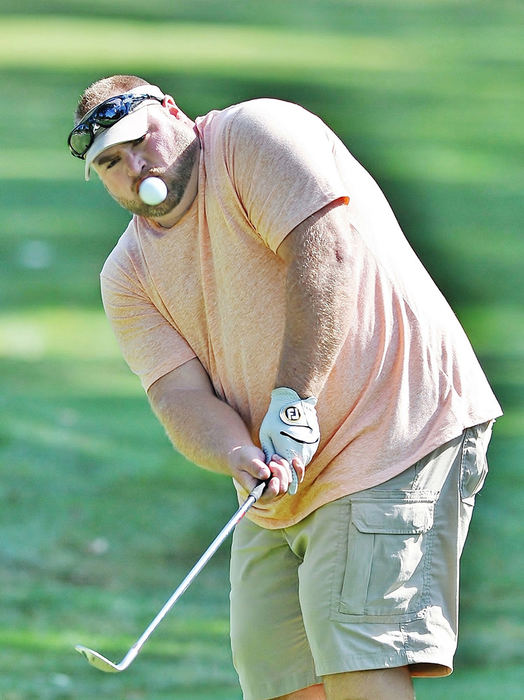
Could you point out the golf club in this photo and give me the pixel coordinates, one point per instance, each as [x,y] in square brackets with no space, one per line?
[103,664]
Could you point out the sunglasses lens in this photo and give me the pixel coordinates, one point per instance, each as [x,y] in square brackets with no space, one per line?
[110,112]
[81,138]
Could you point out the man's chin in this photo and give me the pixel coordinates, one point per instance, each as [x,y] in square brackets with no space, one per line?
[146,210]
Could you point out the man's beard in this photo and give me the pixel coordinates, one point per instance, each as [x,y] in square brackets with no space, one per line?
[176,178]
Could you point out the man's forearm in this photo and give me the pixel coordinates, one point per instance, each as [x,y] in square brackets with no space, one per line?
[202,427]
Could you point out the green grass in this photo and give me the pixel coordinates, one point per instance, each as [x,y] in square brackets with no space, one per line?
[99,518]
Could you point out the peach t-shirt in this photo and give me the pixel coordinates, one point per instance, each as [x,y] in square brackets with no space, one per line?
[406,379]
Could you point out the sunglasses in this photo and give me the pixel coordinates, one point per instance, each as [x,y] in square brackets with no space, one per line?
[104,115]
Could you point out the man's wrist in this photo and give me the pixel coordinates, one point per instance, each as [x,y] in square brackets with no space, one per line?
[287,393]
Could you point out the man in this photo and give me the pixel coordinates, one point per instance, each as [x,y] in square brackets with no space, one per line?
[285,331]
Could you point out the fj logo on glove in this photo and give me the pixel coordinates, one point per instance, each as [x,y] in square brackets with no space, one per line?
[298,415]
[292,413]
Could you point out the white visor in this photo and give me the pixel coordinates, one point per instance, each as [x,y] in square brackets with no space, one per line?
[131,127]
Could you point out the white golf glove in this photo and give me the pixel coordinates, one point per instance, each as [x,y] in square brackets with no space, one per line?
[290,429]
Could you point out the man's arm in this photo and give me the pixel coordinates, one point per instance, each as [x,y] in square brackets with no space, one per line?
[317,289]
[317,294]
[209,432]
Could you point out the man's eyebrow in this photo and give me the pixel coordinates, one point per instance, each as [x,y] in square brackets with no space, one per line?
[105,158]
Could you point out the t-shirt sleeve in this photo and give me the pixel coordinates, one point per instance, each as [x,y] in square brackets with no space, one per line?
[151,346]
[282,161]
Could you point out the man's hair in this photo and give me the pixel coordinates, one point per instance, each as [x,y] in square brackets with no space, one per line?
[103,89]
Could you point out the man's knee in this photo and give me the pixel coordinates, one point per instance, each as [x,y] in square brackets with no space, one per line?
[380,684]
[313,692]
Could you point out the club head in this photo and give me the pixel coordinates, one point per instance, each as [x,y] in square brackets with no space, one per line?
[99,661]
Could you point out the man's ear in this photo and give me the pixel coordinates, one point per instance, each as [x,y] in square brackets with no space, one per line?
[170,104]
[173,109]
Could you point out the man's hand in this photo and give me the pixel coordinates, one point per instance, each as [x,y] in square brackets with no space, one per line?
[290,430]
[248,468]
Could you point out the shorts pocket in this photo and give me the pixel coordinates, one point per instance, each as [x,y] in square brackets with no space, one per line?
[385,572]
[474,465]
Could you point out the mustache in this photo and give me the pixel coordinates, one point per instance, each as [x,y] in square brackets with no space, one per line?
[151,172]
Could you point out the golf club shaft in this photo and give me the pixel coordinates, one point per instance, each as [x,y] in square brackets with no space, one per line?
[197,568]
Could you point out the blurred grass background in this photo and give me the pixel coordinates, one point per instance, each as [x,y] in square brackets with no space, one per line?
[99,518]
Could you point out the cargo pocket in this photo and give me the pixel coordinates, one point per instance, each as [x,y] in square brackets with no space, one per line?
[385,572]
[474,465]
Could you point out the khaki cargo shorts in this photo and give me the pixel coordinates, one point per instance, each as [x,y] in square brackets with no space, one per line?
[366,582]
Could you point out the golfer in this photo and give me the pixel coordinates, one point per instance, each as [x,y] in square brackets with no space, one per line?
[285,331]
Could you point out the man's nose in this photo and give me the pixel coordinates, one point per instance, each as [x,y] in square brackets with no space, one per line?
[135,163]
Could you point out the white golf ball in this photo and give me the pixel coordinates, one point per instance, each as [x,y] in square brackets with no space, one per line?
[152,191]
